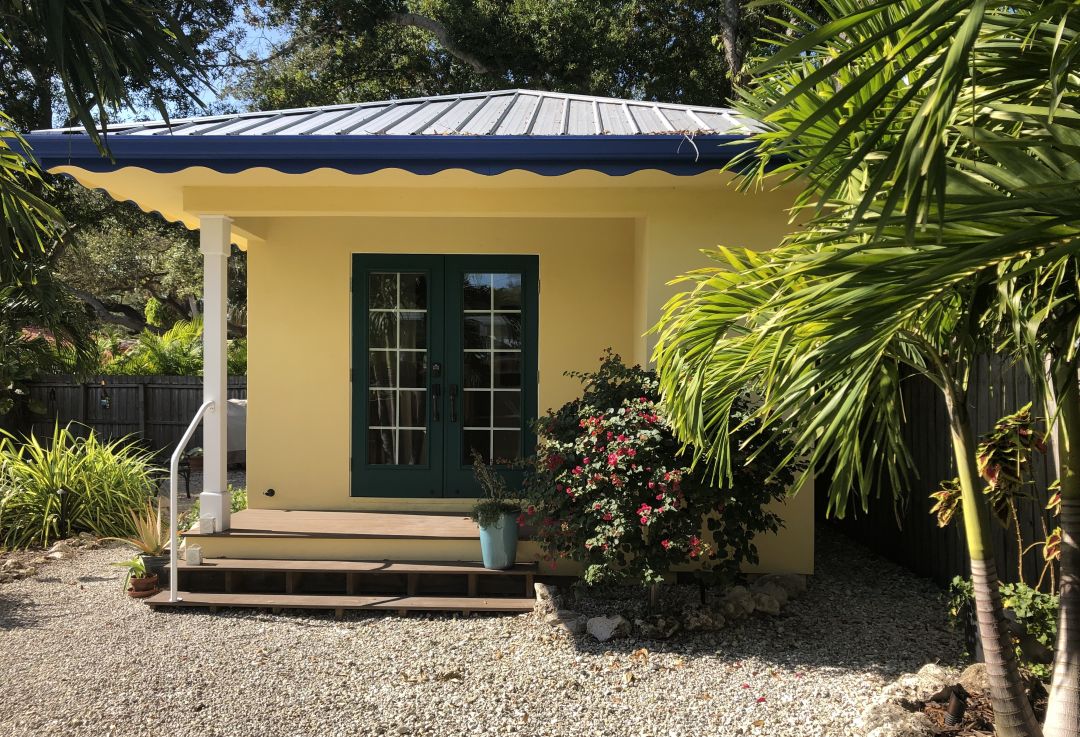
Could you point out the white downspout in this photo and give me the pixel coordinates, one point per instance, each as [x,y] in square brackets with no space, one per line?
[215,239]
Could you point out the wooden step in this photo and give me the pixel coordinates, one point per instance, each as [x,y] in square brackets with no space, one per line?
[211,565]
[400,604]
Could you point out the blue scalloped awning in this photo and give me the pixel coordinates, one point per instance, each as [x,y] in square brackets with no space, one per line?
[295,154]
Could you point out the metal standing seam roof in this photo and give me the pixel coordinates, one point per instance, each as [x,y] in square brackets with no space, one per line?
[499,113]
[547,133]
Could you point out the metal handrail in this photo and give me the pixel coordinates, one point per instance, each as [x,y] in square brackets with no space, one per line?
[174,492]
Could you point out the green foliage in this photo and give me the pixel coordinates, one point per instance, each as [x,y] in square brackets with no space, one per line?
[236,357]
[41,331]
[238,500]
[1035,611]
[499,501]
[614,490]
[66,485]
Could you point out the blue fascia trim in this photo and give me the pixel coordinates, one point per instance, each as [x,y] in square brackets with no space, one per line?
[546,155]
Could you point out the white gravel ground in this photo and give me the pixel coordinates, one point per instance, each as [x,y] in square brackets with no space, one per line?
[77,657]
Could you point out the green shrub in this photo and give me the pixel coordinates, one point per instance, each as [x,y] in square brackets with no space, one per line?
[238,501]
[614,490]
[68,485]
[1036,612]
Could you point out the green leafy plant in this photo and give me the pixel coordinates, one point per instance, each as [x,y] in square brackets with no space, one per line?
[66,485]
[1034,612]
[238,500]
[500,501]
[136,567]
[614,490]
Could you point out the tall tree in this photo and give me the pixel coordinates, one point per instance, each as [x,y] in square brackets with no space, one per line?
[333,51]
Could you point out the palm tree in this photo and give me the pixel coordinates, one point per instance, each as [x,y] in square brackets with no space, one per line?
[967,114]
[936,143]
[754,325]
[102,50]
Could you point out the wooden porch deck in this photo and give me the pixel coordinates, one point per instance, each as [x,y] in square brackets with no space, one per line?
[284,523]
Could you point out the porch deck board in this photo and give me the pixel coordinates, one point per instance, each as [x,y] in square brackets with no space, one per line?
[352,566]
[319,601]
[283,523]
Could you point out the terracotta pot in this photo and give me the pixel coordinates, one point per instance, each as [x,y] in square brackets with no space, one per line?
[142,587]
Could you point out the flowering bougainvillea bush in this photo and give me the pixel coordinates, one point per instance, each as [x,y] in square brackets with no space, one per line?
[614,489]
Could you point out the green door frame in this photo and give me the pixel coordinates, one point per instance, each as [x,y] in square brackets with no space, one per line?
[421,480]
[446,473]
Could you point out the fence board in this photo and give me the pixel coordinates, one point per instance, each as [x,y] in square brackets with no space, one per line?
[156,409]
[910,536]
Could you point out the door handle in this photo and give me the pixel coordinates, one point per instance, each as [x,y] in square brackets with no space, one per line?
[436,400]
[453,402]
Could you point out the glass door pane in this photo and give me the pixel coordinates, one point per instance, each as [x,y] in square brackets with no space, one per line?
[491,354]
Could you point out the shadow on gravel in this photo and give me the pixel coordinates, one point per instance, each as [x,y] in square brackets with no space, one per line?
[19,612]
[859,612]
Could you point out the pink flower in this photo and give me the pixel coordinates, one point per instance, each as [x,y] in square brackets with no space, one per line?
[631,452]
[659,497]
[607,517]
[665,544]
[645,521]
[596,506]
[621,438]
[577,470]
[612,459]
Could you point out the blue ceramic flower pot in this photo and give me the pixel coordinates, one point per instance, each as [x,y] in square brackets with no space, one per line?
[498,543]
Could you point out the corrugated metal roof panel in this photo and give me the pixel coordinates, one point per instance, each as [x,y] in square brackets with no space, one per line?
[503,113]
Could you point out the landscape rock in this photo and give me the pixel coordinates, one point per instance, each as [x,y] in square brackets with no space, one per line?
[547,599]
[934,682]
[607,628]
[6,577]
[974,679]
[26,572]
[565,619]
[765,603]
[912,725]
[657,626]
[793,583]
[10,565]
[700,619]
[774,590]
[737,602]
[60,551]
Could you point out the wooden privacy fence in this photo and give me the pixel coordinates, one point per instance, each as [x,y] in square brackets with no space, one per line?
[156,409]
[912,537]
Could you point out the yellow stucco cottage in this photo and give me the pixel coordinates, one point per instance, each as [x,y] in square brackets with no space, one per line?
[421,274]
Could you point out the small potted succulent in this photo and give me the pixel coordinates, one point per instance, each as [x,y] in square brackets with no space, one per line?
[151,539]
[143,584]
[497,517]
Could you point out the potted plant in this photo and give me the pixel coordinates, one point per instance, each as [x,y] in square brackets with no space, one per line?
[151,539]
[497,517]
[143,584]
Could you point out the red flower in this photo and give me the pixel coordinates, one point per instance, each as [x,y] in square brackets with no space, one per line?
[607,517]
[521,520]
[665,544]
[577,470]
[596,506]
[761,699]
[659,497]
[612,459]
[531,510]
[621,438]
[644,520]
[631,452]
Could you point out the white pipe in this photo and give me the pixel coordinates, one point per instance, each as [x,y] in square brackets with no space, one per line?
[174,493]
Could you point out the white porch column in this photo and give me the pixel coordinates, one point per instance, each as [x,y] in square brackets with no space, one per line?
[215,238]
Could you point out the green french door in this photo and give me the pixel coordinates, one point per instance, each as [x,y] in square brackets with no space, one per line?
[444,363]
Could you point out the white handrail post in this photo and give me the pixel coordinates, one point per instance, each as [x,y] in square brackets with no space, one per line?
[174,495]
[215,239]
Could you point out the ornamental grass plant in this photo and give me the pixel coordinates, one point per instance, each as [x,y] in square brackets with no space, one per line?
[58,487]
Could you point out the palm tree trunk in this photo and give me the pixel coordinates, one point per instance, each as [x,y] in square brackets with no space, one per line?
[1063,711]
[1013,716]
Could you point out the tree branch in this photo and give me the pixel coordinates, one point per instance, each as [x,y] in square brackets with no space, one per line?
[442,34]
[114,314]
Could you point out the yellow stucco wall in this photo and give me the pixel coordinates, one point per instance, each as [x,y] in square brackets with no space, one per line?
[607,247]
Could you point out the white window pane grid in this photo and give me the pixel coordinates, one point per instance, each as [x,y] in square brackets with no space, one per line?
[396,389]
[491,389]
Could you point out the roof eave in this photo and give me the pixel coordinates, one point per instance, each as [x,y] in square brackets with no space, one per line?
[546,155]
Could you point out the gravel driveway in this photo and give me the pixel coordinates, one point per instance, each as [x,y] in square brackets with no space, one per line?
[79,658]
